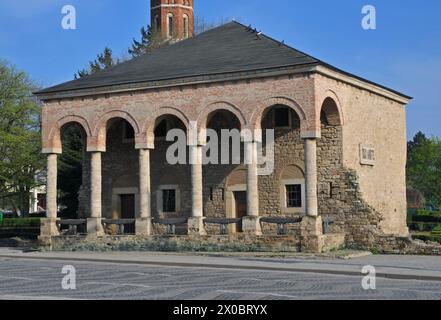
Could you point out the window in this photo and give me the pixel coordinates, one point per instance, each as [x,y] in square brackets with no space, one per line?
[367,155]
[169,200]
[186,32]
[156,23]
[281,118]
[294,196]
[170,25]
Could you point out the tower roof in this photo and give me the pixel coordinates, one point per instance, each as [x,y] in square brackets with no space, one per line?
[220,52]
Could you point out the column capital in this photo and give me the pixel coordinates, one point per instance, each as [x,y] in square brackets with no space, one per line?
[95,144]
[145,141]
[51,150]
[316,134]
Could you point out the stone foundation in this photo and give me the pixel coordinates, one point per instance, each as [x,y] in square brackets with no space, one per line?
[228,243]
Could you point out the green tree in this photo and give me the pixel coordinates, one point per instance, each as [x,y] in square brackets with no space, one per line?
[424,167]
[70,170]
[103,61]
[150,40]
[20,141]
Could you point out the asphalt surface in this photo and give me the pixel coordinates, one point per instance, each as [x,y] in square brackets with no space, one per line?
[22,278]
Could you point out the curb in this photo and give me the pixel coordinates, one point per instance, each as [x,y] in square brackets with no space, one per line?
[384,275]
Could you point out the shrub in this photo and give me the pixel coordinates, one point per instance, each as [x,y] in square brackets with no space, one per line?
[20,223]
[422,212]
[427,218]
[432,238]
[437,230]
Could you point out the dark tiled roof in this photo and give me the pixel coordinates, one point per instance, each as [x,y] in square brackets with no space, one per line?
[225,50]
[229,48]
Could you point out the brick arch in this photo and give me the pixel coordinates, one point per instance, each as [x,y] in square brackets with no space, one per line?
[149,126]
[54,138]
[256,117]
[102,122]
[219,106]
[70,119]
[204,115]
[99,133]
[336,111]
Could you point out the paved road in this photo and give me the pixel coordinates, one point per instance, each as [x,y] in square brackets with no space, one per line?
[41,279]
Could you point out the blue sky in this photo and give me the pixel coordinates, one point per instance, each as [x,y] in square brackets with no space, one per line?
[404,52]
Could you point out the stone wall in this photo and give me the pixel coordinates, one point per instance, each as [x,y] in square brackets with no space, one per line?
[380,122]
[339,196]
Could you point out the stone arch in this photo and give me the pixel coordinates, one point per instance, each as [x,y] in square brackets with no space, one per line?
[204,115]
[102,123]
[236,177]
[257,116]
[99,133]
[149,126]
[54,138]
[211,109]
[292,171]
[331,108]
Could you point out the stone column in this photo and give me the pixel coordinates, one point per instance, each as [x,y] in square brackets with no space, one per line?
[94,225]
[312,228]
[251,223]
[49,227]
[311,177]
[144,221]
[196,222]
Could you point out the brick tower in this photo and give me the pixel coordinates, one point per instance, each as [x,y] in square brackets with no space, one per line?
[173,18]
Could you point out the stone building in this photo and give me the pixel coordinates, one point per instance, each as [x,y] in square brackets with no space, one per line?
[340,140]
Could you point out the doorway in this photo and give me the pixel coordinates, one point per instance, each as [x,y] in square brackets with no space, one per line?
[240,201]
[128,211]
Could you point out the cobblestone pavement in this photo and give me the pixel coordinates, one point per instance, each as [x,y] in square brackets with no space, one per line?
[39,279]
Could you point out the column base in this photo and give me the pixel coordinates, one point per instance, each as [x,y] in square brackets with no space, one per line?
[95,228]
[143,227]
[48,229]
[251,225]
[196,226]
[312,239]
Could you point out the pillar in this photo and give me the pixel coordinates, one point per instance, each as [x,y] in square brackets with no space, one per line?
[251,223]
[196,222]
[49,227]
[144,221]
[94,225]
[312,228]
[311,177]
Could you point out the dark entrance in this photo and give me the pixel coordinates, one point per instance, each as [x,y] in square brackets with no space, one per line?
[240,198]
[128,211]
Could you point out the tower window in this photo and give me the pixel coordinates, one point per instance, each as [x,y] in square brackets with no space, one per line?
[156,23]
[186,32]
[170,25]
